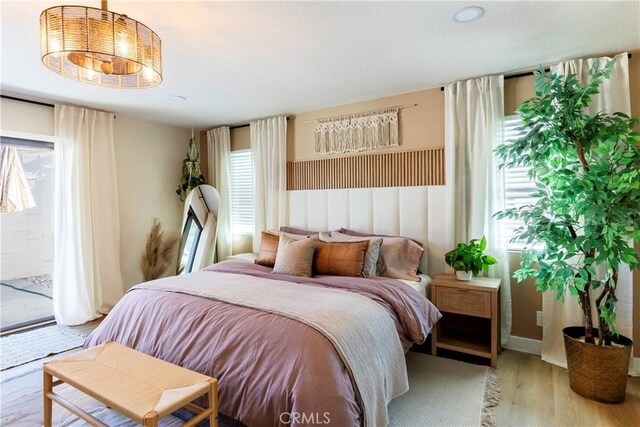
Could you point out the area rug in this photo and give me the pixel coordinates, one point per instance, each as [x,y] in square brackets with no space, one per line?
[443,393]
[23,347]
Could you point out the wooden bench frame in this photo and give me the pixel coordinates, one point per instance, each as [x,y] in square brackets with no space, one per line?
[150,420]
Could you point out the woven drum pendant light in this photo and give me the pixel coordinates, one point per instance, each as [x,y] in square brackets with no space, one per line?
[100,47]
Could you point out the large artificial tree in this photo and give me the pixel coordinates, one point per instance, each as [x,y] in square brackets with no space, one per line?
[586,212]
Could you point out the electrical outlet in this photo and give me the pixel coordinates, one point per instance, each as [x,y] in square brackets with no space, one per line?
[539,318]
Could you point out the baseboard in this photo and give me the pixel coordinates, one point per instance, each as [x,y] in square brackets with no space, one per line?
[525,345]
[635,370]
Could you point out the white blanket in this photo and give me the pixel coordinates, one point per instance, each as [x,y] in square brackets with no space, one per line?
[362,332]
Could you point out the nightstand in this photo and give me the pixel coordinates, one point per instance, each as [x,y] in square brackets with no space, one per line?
[470,316]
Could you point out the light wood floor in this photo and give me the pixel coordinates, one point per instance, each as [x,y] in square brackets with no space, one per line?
[536,393]
[533,393]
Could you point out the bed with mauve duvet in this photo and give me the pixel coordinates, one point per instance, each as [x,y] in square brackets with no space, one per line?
[286,350]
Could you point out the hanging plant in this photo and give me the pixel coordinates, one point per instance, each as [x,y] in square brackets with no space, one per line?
[191,174]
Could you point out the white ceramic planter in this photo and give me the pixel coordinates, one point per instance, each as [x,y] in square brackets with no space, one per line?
[464,276]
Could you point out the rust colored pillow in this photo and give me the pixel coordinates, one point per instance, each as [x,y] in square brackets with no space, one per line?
[340,258]
[268,249]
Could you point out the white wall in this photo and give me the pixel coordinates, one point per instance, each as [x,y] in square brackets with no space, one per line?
[18,116]
[148,160]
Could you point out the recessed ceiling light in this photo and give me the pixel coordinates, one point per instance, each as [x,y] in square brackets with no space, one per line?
[468,14]
[177,98]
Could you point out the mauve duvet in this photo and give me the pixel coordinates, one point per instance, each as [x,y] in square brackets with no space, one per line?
[272,370]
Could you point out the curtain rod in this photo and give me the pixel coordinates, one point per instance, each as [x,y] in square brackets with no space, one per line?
[239,126]
[526,73]
[245,125]
[29,101]
[399,107]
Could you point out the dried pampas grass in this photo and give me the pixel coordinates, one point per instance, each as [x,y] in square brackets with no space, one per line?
[158,252]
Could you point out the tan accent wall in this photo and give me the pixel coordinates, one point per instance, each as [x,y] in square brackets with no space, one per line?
[525,302]
[516,91]
[420,127]
[240,138]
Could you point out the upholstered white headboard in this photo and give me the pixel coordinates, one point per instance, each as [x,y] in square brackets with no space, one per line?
[415,212]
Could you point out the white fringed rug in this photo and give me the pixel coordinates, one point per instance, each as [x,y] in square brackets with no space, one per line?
[23,347]
[443,393]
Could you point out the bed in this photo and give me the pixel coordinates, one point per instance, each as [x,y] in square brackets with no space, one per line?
[286,350]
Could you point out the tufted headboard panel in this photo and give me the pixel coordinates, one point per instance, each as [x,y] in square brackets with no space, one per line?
[415,212]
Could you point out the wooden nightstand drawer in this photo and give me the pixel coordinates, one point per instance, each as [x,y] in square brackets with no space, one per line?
[464,301]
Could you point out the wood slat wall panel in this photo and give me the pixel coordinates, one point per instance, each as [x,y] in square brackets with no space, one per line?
[396,169]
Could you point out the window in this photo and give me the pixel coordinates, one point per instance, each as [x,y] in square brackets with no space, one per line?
[518,186]
[241,172]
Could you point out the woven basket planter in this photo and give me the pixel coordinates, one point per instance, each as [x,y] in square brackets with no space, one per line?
[595,372]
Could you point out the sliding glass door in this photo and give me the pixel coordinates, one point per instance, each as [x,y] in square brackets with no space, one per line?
[26,224]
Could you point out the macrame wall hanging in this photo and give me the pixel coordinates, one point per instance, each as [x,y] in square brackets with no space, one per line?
[357,132]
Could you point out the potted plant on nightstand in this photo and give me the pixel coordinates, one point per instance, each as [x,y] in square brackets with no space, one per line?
[587,170]
[468,259]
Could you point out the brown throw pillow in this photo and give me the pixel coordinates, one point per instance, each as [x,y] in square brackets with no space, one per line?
[295,257]
[340,258]
[373,252]
[268,249]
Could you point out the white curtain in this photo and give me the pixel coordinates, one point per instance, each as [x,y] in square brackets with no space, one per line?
[474,117]
[219,152]
[614,96]
[269,157]
[87,280]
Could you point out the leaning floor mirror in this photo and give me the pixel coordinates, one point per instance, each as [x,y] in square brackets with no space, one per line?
[199,229]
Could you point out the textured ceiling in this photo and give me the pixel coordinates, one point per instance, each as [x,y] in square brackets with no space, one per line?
[239,61]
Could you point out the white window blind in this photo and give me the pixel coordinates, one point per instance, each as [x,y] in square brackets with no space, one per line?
[518,186]
[241,172]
